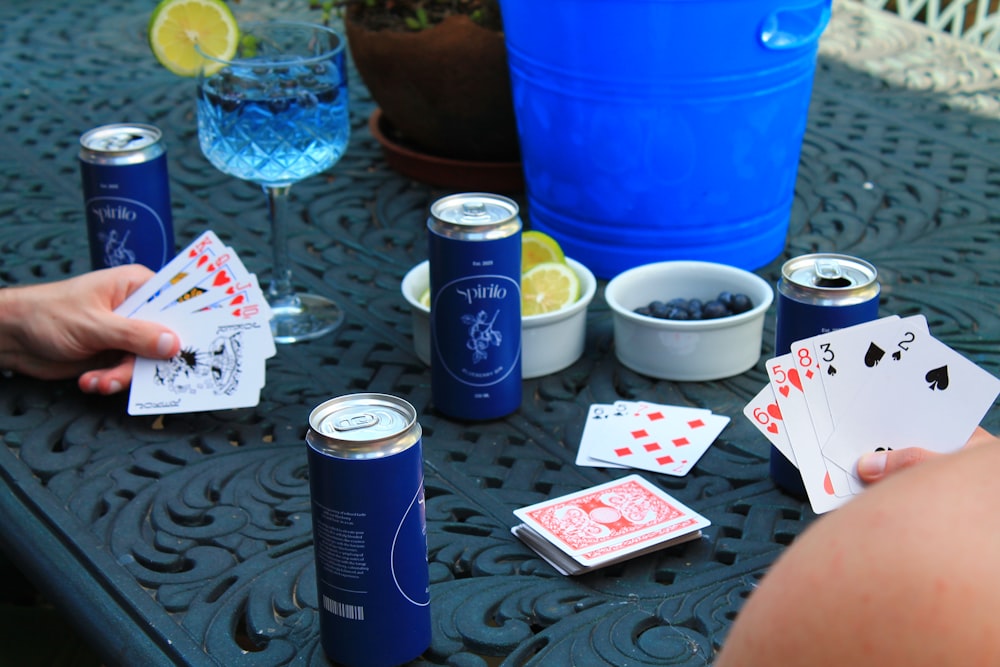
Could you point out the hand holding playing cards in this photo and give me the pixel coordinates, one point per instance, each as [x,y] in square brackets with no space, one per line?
[880,386]
[68,328]
[877,465]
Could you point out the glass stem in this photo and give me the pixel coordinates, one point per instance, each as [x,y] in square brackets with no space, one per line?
[280,288]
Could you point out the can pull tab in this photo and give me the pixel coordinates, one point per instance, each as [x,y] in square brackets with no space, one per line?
[829,274]
[475,211]
[123,141]
[355,422]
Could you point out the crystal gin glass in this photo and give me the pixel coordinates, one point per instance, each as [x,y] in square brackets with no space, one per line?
[274,115]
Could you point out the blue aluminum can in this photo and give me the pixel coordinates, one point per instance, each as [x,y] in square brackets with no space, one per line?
[475,270]
[819,293]
[369,530]
[126,195]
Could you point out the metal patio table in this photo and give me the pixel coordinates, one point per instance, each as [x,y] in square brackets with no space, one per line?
[186,539]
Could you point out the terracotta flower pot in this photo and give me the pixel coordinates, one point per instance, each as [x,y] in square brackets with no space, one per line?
[446,89]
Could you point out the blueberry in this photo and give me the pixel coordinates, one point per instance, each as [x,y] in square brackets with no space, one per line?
[714,309]
[695,305]
[678,303]
[658,309]
[678,314]
[643,310]
[740,303]
[725,298]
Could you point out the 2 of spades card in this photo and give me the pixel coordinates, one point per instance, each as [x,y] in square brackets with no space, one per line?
[933,398]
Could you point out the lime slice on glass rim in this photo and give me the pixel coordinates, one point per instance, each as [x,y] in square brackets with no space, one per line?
[538,247]
[548,287]
[177,26]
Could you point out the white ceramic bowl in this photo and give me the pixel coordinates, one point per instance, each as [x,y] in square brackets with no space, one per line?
[549,342]
[688,350]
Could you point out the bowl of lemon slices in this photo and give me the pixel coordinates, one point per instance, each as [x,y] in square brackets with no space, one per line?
[555,293]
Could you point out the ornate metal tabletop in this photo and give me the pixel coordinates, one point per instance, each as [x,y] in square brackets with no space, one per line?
[187,539]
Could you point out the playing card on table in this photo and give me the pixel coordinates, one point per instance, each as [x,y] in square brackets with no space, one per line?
[602,420]
[664,441]
[606,524]
[216,307]
[661,438]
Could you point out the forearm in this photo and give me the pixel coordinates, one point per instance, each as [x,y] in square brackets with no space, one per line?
[14,303]
[902,575]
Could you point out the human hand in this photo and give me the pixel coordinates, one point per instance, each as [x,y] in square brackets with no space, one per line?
[68,328]
[877,465]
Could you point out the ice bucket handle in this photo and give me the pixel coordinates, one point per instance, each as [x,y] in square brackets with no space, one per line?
[795,26]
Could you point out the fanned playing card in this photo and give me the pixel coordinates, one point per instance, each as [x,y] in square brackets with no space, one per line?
[606,524]
[764,412]
[879,385]
[934,399]
[216,307]
[820,480]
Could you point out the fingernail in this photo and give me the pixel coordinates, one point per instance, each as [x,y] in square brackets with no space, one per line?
[114,387]
[872,465]
[164,344]
[92,385]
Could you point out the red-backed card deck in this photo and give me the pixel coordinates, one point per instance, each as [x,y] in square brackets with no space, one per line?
[218,310]
[606,524]
[884,384]
[665,439]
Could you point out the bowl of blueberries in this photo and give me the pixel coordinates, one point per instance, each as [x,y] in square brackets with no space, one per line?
[688,320]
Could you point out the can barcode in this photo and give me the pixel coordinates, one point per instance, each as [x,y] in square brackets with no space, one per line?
[351,612]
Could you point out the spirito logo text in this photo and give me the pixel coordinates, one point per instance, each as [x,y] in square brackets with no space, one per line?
[113,213]
[479,292]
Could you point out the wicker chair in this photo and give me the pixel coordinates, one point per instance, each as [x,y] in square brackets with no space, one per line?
[977,21]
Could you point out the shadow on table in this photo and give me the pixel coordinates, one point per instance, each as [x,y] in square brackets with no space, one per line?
[33,633]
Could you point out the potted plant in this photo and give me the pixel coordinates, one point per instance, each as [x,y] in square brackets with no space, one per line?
[437,69]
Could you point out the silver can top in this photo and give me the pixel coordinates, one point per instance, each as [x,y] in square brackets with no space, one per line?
[120,138]
[363,425]
[829,273]
[475,216]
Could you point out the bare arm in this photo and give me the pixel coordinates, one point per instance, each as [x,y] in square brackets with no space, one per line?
[904,574]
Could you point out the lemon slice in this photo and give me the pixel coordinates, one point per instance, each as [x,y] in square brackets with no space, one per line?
[425,298]
[548,287]
[538,247]
[176,26]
